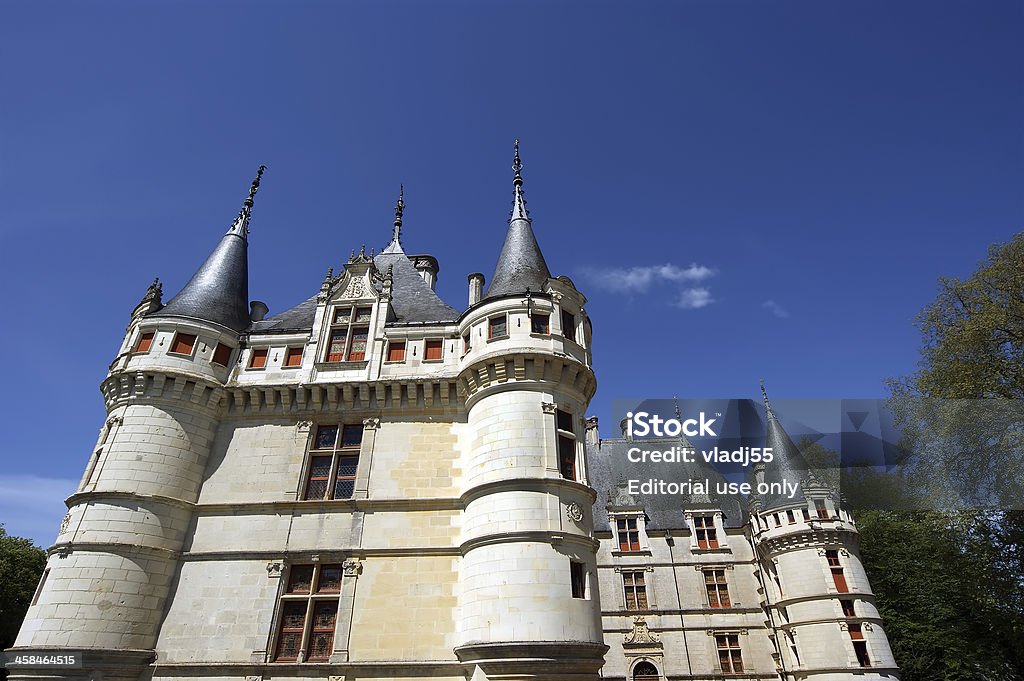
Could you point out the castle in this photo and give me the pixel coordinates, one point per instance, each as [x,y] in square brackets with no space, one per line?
[374,485]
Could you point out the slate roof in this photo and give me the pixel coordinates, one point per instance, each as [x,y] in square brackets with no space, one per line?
[219,291]
[605,467]
[412,300]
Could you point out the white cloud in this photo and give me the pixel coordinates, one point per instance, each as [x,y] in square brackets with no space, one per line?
[775,309]
[33,506]
[694,298]
[640,278]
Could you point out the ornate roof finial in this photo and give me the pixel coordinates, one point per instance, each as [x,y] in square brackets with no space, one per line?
[519,211]
[679,415]
[399,209]
[767,405]
[241,224]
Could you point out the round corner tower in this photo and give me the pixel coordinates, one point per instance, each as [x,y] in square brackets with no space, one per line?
[815,592]
[529,604]
[111,570]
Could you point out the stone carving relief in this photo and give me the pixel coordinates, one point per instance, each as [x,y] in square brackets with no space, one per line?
[640,635]
[574,512]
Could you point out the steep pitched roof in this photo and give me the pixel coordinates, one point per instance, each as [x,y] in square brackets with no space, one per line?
[521,264]
[219,290]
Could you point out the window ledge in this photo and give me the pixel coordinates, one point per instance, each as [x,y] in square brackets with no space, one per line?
[394,361]
[432,361]
[717,549]
[294,366]
[358,364]
[537,334]
[180,354]
[497,338]
[641,552]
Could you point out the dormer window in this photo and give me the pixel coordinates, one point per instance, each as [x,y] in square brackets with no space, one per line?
[350,330]
[293,356]
[433,350]
[258,359]
[396,351]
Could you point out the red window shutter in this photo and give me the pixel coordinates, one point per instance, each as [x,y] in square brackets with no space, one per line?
[259,358]
[293,357]
[839,580]
[434,349]
[396,352]
[183,344]
[145,342]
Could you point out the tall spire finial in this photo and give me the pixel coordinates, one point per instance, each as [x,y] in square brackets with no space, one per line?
[519,211]
[399,209]
[767,405]
[241,224]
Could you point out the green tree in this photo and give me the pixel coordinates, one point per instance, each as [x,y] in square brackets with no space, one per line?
[950,583]
[21,566]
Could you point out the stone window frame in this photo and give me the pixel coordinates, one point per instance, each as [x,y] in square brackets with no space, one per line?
[426,347]
[641,523]
[579,580]
[835,570]
[395,344]
[192,348]
[647,583]
[504,318]
[534,316]
[704,570]
[337,452]
[350,326]
[631,676]
[717,524]
[216,352]
[719,634]
[310,599]
[288,354]
[139,340]
[561,435]
[251,362]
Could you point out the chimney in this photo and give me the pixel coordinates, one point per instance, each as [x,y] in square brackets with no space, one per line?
[476,288]
[258,310]
[593,436]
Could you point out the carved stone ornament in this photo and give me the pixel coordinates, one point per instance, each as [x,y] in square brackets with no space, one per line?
[548,407]
[356,288]
[353,567]
[574,512]
[303,425]
[371,423]
[64,523]
[275,569]
[254,678]
[641,635]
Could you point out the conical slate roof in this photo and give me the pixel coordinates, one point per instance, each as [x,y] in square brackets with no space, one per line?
[788,463]
[219,290]
[520,265]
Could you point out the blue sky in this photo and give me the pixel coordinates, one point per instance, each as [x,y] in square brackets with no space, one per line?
[743,189]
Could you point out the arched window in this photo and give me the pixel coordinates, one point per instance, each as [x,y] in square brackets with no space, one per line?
[645,671]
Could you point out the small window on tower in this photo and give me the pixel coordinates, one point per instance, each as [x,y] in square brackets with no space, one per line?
[144,343]
[578,579]
[222,355]
[848,609]
[568,325]
[396,351]
[184,344]
[433,350]
[540,323]
[258,359]
[293,357]
[566,440]
[497,327]
[465,342]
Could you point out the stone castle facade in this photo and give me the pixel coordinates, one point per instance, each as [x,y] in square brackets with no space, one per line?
[373,485]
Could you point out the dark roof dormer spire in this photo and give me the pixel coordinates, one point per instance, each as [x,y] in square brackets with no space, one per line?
[241,223]
[396,235]
[521,264]
[219,290]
